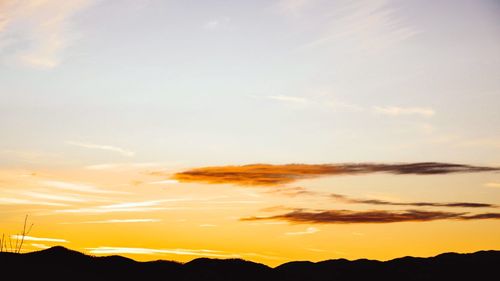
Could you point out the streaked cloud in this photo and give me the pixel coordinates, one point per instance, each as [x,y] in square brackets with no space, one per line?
[39,239]
[365,26]
[80,187]
[116,149]
[164,182]
[133,204]
[492,142]
[112,221]
[492,184]
[268,174]
[371,216]
[40,246]
[346,199]
[290,99]
[55,197]
[152,251]
[207,225]
[396,111]
[38,31]
[23,201]
[482,216]
[219,23]
[309,230]
[140,206]
[123,166]
[290,191]
[293,7]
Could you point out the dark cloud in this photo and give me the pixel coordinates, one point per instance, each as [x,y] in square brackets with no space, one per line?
[372,216]
[269,175]
[482,216]
[414,204]
[291,191]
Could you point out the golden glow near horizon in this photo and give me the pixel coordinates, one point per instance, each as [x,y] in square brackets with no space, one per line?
[265,130]
[136,213]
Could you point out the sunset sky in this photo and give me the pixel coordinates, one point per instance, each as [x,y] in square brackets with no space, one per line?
[265,130]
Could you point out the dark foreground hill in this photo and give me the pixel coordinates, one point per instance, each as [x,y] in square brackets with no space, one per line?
[59,263]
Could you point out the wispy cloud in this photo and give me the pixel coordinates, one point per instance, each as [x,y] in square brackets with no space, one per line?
[40,246]
[80,187]
[290,191]
[112,221]
[309,230]
[294,7]
[38,31]
[289,99]
[268,174]
[492,184]
[217,24]
[64,198]
[367,26]
[207,225]
[39,239]
[346,199]
[164,182]
[493,142]
[22,201]
[152,251]
[142,206]
[100,210]
[119,150]
[133,204]
[123,166]
[371,216]
[396,111]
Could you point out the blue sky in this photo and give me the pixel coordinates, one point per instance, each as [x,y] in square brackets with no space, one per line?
[283,81]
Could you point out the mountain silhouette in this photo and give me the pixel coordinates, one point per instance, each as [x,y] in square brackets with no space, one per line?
[59,263]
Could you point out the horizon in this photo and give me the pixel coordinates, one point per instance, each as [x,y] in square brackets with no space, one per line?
[270,131]
[249,260]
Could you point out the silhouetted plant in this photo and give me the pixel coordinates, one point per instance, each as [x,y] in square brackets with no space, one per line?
[19,239]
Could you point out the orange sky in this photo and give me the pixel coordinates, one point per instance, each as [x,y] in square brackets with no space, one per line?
[125,209]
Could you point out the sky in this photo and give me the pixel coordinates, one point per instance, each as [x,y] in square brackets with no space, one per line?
[265,130]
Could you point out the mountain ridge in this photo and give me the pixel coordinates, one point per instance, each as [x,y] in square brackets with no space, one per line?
[58,263]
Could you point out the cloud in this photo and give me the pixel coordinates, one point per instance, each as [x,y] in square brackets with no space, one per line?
[372,216]
[289,99]
[291,191]
[54,197]
[123,166]
[115,221]
[39,239]
[164,182]
[133,204]
[492,184]
[40,246]
[414,204]
[294,7]
[482,216]
[78,187]
[151,251]
[37,31]
[19,201]
[363,26]
[100,210]
[491,142]
[269,175]
[396,111]
[119,150]
[142,206]
[309,230]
